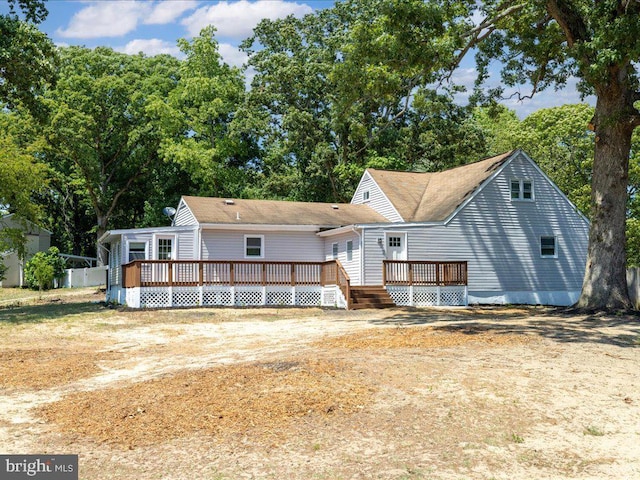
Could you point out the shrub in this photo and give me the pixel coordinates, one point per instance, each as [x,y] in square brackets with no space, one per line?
[43,268]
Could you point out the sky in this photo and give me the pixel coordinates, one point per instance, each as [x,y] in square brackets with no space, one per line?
[154,26]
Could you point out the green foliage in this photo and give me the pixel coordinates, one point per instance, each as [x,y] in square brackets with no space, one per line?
[43,268]
[333,90]
[21,178]
[27,56]
[3,269]
[196,120]
[104,132]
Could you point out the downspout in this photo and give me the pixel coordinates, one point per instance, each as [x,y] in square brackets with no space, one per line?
[361,245]
[199,243]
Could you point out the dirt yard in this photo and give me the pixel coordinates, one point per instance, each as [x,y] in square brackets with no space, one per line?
[503,393]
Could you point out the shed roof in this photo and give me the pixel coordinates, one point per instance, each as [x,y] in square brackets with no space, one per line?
[212,210]
[434,196]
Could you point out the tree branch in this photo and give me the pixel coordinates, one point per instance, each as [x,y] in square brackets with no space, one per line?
[569,20]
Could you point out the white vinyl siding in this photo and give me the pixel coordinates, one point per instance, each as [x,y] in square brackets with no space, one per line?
[278,246]
[377,199]
[183,243]
[184,216]
[352,267]
[501,239]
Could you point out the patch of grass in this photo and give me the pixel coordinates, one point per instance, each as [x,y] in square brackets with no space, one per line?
[49,311]
[515,438]
[594,431]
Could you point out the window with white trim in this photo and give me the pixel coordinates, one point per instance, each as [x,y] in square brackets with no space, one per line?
[334,251]
[548,247]
[254,246]
[164,248]
[365,196]
[349,250]
[521,189]
[137,251]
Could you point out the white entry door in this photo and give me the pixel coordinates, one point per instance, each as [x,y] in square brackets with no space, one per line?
[396,246]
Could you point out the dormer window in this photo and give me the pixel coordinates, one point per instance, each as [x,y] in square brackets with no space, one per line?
[365,196]
[521,190]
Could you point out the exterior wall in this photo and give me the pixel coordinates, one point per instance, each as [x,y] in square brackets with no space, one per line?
[185,241]
[278,246]
[184,216]
[377,199]
[351,267]
[500,239]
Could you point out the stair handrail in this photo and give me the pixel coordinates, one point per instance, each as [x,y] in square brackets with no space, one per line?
[344,282]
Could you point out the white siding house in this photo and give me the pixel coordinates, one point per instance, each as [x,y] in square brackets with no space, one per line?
[495,231]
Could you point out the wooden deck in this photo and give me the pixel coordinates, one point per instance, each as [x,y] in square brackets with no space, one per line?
[427,273]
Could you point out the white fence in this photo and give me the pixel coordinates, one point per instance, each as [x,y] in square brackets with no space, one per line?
[85,277]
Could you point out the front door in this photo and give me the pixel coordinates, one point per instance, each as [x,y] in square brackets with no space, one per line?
[396,246]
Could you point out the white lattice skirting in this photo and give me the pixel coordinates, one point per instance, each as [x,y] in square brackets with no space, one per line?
[412,296]
[241,296]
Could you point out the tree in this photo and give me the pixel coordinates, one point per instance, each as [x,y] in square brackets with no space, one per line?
[196,121]
[103,131]
[324,111]
[27,56]
[542,44]
[21,177]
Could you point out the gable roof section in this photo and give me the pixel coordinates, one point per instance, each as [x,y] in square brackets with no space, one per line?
[209,210]
[434,196]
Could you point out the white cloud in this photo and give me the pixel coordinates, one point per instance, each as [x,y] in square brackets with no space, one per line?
[232,55]
[169,10]
[105,19]
[237,19]
[150,47]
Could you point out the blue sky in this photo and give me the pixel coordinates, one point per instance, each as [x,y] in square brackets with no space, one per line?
[154,26]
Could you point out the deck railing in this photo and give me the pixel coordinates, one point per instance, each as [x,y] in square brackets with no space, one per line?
[162,273]
[403,272]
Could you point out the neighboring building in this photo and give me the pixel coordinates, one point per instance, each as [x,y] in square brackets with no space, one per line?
[38,240]
[495,231]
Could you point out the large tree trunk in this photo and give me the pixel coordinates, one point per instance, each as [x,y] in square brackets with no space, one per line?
[604,286]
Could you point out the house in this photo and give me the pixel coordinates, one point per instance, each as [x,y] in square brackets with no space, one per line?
[38,240]
[496,231]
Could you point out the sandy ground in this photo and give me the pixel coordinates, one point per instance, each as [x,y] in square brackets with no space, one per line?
[314,394]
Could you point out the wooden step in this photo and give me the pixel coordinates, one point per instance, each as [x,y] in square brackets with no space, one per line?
[370,297]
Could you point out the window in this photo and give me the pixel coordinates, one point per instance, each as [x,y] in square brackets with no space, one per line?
[165,248]
[137,251]
[395,241]
[521,189]
[548,247]
[253,246]
[365,196]
[349,250]
[334,251]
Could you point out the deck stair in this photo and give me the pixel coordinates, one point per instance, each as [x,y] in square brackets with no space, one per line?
[370,297]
